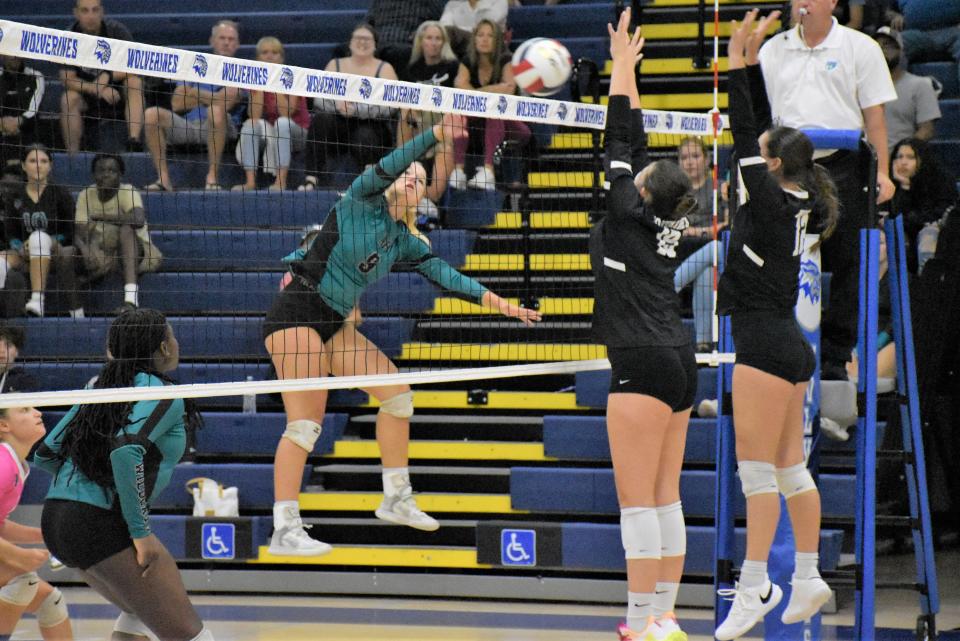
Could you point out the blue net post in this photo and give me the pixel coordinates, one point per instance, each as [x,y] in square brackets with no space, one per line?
[865,527]
[726,486]
[908,393]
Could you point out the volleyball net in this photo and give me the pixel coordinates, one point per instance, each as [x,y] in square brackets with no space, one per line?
[237,164]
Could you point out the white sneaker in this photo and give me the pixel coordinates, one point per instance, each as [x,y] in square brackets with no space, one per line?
[806,599]
[833,429]
[483,179]
[458,179]
[707,408]
[34,307]
[292,540]
[402,509]
[668,629]
[750,605]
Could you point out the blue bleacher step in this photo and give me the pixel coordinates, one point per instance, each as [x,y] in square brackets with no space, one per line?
[74,376]
[944,72]
[948,126]
[202,210]
[231,337]
[472,207]
[592,491]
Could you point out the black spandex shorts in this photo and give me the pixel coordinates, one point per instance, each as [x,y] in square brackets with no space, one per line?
[774,344]
[668,374]
[301,306]
[81,535]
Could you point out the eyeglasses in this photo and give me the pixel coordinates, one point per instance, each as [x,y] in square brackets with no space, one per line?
[362,39]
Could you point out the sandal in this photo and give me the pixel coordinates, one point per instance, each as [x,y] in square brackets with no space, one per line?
[156,186]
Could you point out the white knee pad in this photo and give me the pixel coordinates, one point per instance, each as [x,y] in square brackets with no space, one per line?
[640,532]
[673,530]
[40,244]
[20,590]
[53,610]
[400,405]
[205,635]
[304,433]
[757,477]
[131,624]
[794,480]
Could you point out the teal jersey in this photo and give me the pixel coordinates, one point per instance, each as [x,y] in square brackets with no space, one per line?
[144,453]
[360,242]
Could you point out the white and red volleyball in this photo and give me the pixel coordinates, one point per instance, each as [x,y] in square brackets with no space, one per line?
[541,66]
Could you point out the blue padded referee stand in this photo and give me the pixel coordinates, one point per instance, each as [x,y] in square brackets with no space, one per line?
[909,405]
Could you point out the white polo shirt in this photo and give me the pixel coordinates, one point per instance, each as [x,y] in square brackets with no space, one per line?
[825,87]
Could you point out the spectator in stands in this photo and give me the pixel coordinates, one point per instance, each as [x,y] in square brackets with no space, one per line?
[396,21]
[914,112]
[931,29]
[432,62]
[277,126]
[363,131]
[697,245]
[201,114]
[487,68]
[461,18]
[102,94]
[39,224]
[111,225]
[924,192]
[21,92]
[824,99]
[14,379]
[14,288]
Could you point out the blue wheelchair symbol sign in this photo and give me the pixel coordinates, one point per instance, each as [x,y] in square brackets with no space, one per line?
[518,547]
[218,541]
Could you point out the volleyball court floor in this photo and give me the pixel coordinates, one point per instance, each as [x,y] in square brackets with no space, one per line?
[255,618]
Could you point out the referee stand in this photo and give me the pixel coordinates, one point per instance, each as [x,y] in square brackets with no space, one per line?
[863,576]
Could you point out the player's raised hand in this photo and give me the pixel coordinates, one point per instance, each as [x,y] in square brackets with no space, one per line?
[623,45]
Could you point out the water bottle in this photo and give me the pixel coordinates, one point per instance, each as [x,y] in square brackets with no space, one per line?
[249,401]
[926,244]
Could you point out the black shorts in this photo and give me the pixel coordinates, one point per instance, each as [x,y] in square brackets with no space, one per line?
[668,374]
[81,535]
[773,343]
[301,306]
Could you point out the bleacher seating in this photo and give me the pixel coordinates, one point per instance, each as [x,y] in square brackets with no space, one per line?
[222,269]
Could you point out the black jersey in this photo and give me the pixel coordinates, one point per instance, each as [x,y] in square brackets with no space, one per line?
[633,252]
[54,214]
[769,224]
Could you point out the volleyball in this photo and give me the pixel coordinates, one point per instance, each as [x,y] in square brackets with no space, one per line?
[541,66]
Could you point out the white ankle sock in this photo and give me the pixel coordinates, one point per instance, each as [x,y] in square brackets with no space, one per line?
[806,565]
[284,512]
[665,598]
[3,271]
[395,478]
[639,608]
[753,574]
[130,292]
[36,297]
[77,313]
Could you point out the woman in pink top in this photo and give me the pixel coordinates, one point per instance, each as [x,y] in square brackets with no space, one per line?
[23,591]
[277,125]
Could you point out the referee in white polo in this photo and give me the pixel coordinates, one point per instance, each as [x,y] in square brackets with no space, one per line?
[822,75]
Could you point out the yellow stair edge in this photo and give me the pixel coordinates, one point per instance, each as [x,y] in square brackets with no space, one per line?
[442,399]
[564,179]
[428,502]
[544,219]
[686,30]
[359,555]
[443,306]
[538,262]
[448,450]
[774,4]
[670,66]
[674,101]
[655,139]
[522,352]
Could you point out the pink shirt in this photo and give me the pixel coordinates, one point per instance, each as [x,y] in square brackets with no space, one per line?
[300,115]
[13,474]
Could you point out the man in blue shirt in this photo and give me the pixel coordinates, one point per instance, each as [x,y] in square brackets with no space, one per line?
[200,113]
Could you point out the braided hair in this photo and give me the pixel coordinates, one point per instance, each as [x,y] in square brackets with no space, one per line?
[132,341]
